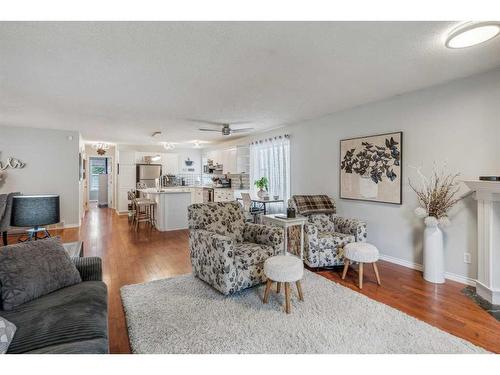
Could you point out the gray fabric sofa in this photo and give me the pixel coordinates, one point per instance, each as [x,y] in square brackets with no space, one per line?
[71,320]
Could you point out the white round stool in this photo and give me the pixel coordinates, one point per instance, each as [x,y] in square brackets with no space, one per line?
[361,252]
[284,269]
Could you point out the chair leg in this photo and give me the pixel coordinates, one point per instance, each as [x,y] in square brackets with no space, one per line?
[375,268]
[287,298]
[360,275]
[268,288]
[278,288]
[299,290]
[346,266]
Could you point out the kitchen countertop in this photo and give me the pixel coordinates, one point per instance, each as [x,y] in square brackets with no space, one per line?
[170,190]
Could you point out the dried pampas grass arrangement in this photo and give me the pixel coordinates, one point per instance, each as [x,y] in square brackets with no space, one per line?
[436,196]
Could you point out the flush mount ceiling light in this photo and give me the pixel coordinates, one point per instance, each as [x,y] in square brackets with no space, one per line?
[471,34]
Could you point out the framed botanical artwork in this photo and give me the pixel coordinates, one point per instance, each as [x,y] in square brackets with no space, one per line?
[371,168]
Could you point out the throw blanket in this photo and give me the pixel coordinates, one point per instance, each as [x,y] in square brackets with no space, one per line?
[313,204]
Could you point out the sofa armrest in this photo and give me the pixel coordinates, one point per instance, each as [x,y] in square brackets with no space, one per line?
[264,235]
[212,259]
[219,248]
[311,231]
[90,268]
[354,227]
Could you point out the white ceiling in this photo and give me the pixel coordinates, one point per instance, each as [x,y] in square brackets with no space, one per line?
[120,81]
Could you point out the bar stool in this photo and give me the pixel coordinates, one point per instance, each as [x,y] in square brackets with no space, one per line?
[152,212]
[131,207]
[142,208]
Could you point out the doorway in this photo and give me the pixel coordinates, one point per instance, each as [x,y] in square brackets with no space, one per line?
[100,170]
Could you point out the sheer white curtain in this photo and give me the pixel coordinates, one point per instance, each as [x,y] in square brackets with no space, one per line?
[271,158]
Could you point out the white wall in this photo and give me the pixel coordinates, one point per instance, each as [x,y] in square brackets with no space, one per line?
[458,122]
[51,165]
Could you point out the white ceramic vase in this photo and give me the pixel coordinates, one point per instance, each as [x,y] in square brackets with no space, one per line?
[262,193]
[367,188]
[433,254]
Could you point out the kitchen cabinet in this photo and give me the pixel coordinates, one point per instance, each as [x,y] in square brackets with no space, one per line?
[197,195]
[229,161]
[123,200]
[126,177]
[223,195]
[126,157]
[170,163]
[234,160]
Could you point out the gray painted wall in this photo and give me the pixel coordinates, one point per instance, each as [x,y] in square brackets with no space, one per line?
[458,122]
[51,165]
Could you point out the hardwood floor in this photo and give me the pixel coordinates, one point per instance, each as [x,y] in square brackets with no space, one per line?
[130,257]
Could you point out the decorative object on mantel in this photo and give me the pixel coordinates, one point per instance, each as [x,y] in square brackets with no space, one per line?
[101,148]
[12,163]
[371,168]
[436,197]
[489,178]
[261,184]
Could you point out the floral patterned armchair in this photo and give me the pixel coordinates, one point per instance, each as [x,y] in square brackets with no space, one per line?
[226,252]
[326,235]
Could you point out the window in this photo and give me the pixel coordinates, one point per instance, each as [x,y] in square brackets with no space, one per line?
[271,158]
[97,167]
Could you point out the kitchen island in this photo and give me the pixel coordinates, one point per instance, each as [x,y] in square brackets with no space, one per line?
[171,207]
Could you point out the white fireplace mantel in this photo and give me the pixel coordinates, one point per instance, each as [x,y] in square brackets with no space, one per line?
[487,194]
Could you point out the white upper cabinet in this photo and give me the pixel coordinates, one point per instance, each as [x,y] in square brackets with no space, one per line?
[127,176]
[127,157]
[229,161]
[170,163]
[234,160]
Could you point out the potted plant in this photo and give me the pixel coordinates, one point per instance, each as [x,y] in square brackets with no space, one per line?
[261,184]
[372,163]
[435,197]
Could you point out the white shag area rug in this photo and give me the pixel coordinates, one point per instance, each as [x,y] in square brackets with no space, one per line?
[184,315]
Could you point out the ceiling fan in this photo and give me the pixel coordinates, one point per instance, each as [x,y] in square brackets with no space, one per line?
[226,127]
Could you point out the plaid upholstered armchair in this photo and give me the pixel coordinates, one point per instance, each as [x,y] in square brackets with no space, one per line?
[227,252]
[326,234]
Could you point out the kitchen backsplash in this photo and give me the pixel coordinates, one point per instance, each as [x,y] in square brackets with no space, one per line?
[206,179]
[235,180]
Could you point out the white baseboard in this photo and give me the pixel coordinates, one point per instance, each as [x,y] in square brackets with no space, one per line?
[448,275]
[66,226]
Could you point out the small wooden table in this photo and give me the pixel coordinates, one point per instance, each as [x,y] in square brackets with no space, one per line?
[285,224]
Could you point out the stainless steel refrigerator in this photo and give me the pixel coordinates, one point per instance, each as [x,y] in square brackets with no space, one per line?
[147,173]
